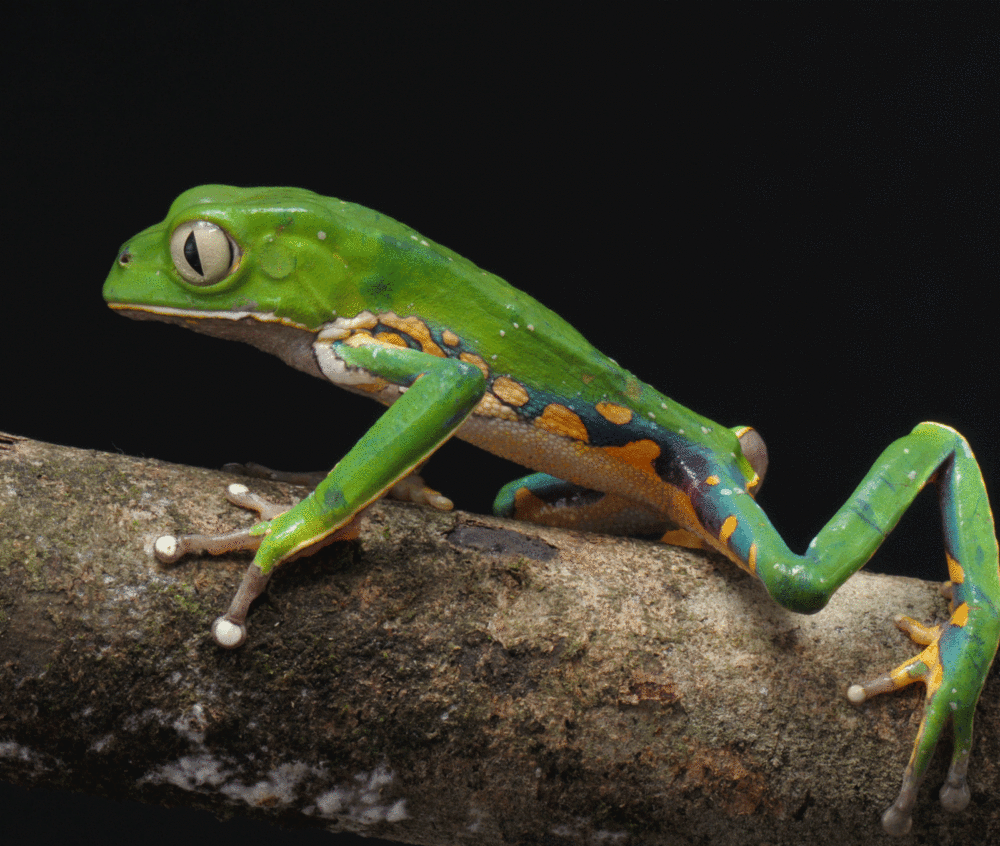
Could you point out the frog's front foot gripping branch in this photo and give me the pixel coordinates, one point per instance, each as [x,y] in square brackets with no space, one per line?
[230,630]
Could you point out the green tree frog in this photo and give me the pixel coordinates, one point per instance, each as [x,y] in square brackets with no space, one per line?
[349,295]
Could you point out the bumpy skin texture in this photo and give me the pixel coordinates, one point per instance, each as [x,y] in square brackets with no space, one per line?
[349,295]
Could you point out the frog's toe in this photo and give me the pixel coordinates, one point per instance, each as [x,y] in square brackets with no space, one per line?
[230,630]
[955,794]
[228,634]
[898,817]
[242,496]
[168,549]
[412,488]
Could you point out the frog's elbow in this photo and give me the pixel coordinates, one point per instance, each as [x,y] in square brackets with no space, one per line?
[795,587]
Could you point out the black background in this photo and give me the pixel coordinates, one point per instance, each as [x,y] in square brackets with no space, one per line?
[782,215]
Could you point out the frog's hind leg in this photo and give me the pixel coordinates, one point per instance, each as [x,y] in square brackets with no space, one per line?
[957,653]
[548,501]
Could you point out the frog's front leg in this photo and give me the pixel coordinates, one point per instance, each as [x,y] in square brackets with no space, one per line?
[436,395]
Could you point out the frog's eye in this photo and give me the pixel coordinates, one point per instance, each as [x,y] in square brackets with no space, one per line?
[203,252]
[755,451]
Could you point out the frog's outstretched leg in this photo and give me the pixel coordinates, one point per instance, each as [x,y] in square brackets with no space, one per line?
[717,513]
[958,653]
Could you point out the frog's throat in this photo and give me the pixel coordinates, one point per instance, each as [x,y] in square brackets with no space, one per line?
[290,342]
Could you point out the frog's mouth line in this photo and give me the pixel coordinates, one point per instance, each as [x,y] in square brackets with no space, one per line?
[169,313]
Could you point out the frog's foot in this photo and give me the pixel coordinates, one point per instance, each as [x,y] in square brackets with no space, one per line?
[950,694]
[230,630]
[259,471]
[413,489]
[171,548]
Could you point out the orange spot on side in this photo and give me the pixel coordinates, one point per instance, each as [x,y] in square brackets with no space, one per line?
[391,338]
[728,527]
[640,454]
[472,358]
[614,413]
[559,420]
[416,329]
[955,571]
[510,392]
[450,338]
[712,480]
[961,615]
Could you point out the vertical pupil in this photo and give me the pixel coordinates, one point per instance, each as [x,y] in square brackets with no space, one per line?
[191,254]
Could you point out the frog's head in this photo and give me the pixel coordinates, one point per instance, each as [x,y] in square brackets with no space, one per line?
[226,253]
[242,263]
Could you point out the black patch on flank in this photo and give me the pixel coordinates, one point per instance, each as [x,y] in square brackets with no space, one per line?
[502,542]
[686,467]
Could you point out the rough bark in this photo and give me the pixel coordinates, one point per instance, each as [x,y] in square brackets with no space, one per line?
[447,678]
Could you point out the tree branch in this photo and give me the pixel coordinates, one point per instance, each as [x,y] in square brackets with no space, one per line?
[447,678]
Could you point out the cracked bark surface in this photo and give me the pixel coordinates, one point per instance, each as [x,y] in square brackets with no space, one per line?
[447,678]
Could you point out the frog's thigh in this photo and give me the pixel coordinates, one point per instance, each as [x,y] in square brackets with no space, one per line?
[548,501]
